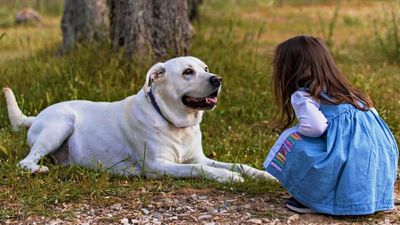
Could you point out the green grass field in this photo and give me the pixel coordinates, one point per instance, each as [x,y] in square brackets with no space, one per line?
[236,39]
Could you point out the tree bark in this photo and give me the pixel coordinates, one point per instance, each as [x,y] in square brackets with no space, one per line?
[84,21]
[157,27]
[193,9]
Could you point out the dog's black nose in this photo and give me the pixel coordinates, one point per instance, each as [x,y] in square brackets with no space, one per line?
[216,81]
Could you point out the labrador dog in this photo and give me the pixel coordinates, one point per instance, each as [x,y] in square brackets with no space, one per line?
[153,133]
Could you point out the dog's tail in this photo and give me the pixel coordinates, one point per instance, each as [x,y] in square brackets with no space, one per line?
[17,118]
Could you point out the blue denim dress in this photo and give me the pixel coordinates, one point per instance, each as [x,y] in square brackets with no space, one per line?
[350,170]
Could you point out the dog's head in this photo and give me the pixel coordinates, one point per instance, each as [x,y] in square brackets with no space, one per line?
[184,88]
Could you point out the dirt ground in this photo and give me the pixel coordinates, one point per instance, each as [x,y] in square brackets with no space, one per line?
[195,206]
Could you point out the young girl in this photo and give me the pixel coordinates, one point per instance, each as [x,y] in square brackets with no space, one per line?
[341,158]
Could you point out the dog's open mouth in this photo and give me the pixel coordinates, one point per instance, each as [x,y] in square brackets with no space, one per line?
[201,103]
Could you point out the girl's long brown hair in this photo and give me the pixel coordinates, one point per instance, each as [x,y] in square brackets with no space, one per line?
[305,62]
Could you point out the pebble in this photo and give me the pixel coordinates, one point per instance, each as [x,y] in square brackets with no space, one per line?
[204,217]
[255,221]
[116,206]
[133,221]
[247,214]
[294,217]
[193,196]
[167,202]
[202,197]
[275,221]
[158,216]
[55,222]
[211,210]
[194,218]
[246,206]
[125,221]
[145,211]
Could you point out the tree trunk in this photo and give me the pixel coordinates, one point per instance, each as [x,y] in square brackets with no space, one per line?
[156,27]
[84,21]
[193,8]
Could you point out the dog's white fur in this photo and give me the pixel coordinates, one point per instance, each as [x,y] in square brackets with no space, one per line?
[130,137]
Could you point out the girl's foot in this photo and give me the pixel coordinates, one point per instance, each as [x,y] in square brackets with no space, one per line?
[296,206]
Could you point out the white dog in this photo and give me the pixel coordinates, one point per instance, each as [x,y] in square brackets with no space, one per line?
[153,133]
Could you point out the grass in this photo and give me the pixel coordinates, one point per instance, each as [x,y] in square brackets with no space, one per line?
[389,39]
[234,38]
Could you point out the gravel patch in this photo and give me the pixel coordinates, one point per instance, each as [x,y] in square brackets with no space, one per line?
[195,206]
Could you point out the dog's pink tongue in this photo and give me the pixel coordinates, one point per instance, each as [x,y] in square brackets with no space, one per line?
[213,99]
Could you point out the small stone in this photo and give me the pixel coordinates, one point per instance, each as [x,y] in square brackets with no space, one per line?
[125,221]
[293,217]
[133,221]
[275,221]
[202,197]
[193,196]
[204,217]
[116,206]
[54,222]
[234,208]
[194,218]
[211,210]
[158,216]
[255,221]
[246,206]
[145,211]
[266,220]
[167,202]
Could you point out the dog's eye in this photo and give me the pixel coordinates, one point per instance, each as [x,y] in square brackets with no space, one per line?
[188,71]
[206,69]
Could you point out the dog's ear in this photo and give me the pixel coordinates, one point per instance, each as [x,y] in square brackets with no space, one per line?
[155,74]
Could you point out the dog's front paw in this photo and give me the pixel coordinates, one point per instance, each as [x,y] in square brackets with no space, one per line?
[34,168]
[265,175]
[230,177]
[255,173]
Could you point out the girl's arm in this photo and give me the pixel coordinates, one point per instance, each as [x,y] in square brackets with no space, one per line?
[312,122]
